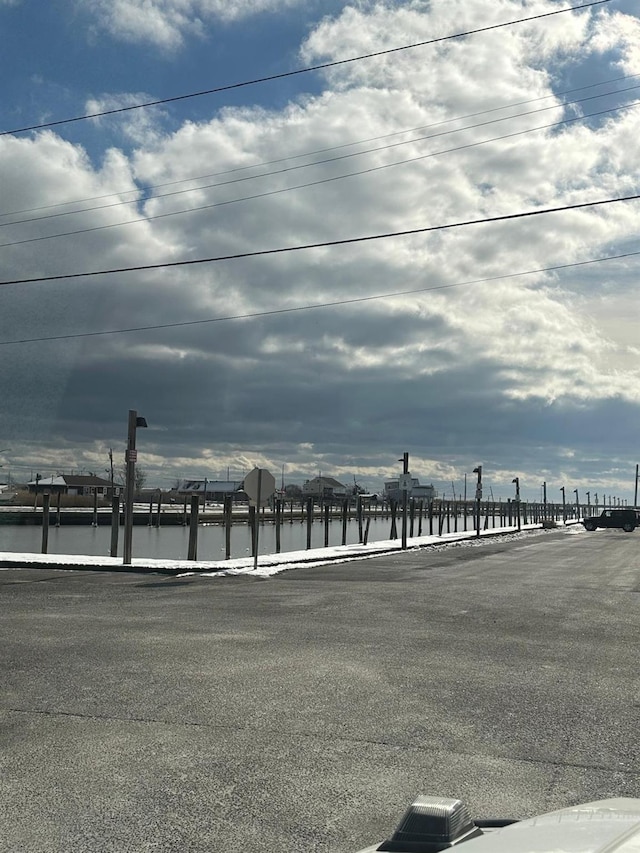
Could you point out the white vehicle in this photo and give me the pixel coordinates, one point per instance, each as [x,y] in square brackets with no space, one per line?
[431,824]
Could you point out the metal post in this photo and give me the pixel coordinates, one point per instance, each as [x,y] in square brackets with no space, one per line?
[130,482]
[635,494]
[256,524]
[516,480]
[130,462]
[35,502]
[405,471]
[478,471]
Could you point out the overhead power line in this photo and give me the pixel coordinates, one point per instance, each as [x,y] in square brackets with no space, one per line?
[324,244]
[297,71]
[253,315]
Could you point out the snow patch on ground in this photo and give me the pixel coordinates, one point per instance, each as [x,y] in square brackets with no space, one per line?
[271,564]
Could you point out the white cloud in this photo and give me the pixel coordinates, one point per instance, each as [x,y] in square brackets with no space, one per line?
[167,22]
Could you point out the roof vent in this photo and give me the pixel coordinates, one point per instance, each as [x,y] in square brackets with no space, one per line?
[431,824]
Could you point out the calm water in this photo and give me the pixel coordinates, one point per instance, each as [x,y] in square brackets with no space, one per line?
[171,543]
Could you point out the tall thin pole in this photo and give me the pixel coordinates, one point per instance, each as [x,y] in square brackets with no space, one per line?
[256,527]
[478,471]
[635,495]
[130,461]
[405,471]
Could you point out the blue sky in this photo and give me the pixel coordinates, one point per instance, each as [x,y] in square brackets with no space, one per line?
[535,376]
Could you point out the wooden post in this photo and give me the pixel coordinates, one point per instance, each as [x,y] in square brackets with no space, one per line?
[184,512]
[228,512]
[431,517]
[150,523]
[394,530]
[159,508]
[115,523]
[279,508]
[309,521]
[193,528]
[366,532]
[327,509]
[46,497]
[58,500]
[360,519]
[412,516]
[345,515]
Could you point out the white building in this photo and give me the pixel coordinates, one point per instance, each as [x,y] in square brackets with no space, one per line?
[417,492]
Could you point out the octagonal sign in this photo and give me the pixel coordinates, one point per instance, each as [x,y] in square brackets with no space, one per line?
[259,486]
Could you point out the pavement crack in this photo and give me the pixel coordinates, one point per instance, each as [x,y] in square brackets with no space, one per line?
[386,743]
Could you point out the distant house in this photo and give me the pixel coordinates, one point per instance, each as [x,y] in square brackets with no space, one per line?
[323,487]
[212,490]
[417,492]
[74,484]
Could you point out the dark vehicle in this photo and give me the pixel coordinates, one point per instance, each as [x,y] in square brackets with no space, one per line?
[627,519]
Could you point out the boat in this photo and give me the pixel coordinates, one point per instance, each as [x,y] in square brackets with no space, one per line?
[6,494]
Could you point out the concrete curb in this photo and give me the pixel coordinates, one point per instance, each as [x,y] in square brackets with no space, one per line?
[265,561]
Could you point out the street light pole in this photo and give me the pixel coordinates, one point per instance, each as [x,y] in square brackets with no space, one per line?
[131,458]
[516,480]
[405,473]
[478,471]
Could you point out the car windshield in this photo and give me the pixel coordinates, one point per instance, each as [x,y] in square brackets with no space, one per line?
[319,413]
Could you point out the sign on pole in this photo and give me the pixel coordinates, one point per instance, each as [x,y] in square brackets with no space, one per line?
[259,486]
[405,482]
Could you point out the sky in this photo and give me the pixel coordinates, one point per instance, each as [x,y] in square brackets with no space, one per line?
[512,343]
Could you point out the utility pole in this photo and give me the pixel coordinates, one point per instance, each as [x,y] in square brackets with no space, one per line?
[131,457]
[516,480]
[478,471]
[405,473]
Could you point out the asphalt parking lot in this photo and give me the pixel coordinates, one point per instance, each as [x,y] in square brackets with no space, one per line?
[304,712]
